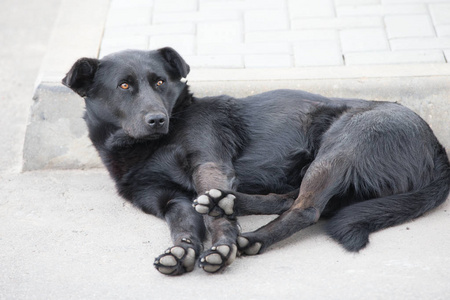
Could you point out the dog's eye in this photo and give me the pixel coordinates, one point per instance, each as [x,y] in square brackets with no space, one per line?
[159,82]
[124,86]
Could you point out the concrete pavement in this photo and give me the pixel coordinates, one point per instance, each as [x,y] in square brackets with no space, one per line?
[65,234]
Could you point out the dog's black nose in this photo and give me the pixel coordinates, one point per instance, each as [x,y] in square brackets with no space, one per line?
[155,120]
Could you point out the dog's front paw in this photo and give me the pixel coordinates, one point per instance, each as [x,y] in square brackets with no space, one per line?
[176,260]
[218,257]
[248,245]
[215,203]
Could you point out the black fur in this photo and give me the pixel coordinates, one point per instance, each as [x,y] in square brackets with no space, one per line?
[366,165]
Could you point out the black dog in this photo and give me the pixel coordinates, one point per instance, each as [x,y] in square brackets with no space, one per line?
[367,165]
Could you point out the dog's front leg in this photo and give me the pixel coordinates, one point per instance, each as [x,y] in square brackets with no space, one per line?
[224,230]
[187,230]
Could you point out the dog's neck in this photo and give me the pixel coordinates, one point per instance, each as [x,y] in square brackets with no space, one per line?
[183,101]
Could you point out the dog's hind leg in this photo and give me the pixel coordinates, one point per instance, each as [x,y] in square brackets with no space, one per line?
[188,231]
[320,183]
[352,225]
[219,203]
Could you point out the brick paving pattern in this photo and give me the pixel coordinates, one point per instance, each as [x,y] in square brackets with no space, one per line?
[284,33]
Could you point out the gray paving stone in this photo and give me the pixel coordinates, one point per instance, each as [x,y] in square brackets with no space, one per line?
[443,30]
[260,20]
[240,5]
[126,31]
[129,16]
[378,9]
[420,43]
[356,2]
[130,3]
[337,23]
[175,5]
[268,61]
[363,10]
[409,8]
[126,42]
[440,13]
[120,4]
[243,48]
[291,35]
[208,5]
[117,44]
[366,39]
[308,8]
[150,30]
[196,16]
[317,53]
[447,55]
[413,1]
[184,44]
[409,26]
[394,57]
[220,32]
[215,61]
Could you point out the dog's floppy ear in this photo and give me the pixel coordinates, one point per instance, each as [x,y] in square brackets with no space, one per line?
[81,75]
[176,62]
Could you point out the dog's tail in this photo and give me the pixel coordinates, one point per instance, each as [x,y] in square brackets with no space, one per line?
[352,225]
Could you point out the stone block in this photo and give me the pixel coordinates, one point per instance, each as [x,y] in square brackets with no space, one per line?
[440,13]
[409,26]
[317,53]
[420,43]
[243,48]
[220,32]
[307,9]
[394,57]
[175,5]
[268,61]
[120,4]
[381,10]
[365,39]
[337,23]
[184,44]
[129,16]
[443,30]
[262,20]
[291,35]
[56,136]
[215,61]
[196,16]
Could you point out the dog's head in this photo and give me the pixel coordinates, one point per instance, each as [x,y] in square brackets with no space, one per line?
[134,90]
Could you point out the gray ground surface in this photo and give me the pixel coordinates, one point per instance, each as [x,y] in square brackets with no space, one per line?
[67,235]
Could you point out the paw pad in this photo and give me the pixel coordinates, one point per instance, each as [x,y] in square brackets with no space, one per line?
[248,248]
[215,203]
[175,261]
[218,257]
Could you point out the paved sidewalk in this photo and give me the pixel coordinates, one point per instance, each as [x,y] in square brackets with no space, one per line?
[284,33]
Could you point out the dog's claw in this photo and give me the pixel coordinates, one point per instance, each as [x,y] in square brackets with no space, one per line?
[176,261]
[215,203]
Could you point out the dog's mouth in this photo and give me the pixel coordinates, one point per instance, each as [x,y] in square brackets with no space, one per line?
[152,137]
